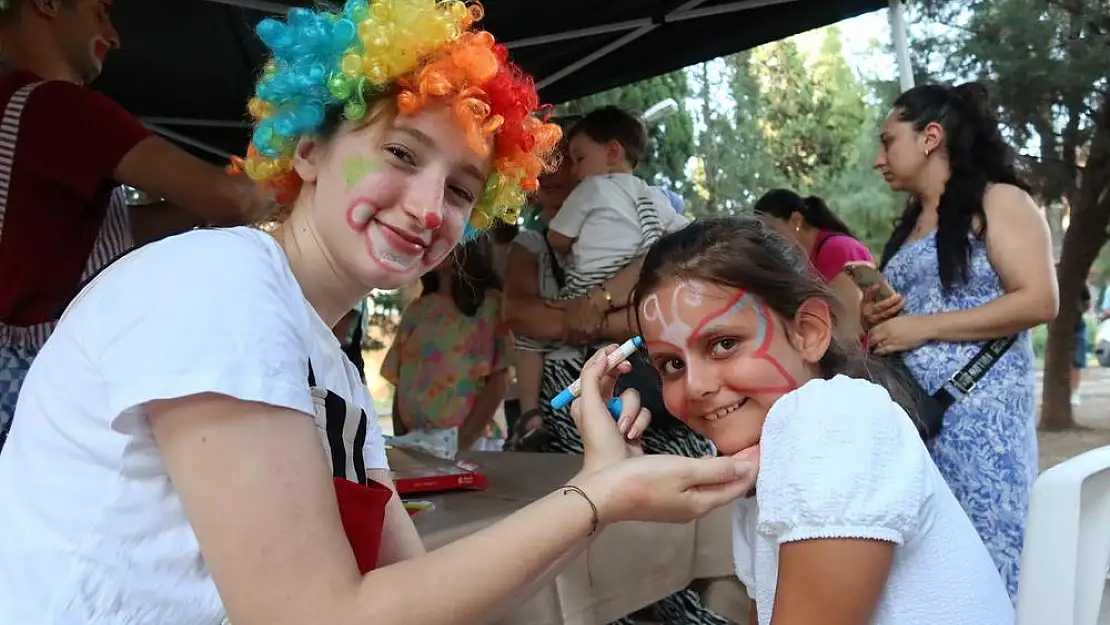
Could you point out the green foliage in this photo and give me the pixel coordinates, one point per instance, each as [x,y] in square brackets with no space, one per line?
[672,139]
[810,116]
[1046,62]
[809,126]
[384,309]
[766,118]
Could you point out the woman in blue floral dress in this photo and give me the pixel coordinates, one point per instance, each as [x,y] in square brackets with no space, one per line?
[961,283]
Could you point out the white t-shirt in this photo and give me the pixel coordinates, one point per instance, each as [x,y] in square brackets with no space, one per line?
[839,459]
[613,219]
[91,529]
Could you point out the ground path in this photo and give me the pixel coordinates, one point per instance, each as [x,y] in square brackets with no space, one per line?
[1092,415]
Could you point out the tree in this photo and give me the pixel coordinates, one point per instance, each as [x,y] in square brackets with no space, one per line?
[857,193]
[1085,237]
[730,163]
[769,117]
[810,120]
[1046,60]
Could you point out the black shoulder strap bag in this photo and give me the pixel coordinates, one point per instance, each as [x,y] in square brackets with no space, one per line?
[931,408]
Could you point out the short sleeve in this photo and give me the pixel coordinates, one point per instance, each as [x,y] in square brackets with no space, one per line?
[373,450]
[83,136]
[211,311]
[589,195]
[744,515]
[835,252]
[840,459]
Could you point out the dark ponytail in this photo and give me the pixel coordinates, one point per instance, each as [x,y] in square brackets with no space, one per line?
[818,215]
[782,203]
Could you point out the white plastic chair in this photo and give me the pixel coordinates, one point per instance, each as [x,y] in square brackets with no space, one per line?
[1067,543]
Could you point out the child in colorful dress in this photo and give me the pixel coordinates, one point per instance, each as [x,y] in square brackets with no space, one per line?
[451,356]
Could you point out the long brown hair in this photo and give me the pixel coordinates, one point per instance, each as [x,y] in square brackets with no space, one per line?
[472,276]
[978,156]
[744,253]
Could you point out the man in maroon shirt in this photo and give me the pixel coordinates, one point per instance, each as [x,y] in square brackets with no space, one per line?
[64,152]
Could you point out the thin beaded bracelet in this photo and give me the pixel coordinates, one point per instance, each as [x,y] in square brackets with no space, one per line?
[570,488]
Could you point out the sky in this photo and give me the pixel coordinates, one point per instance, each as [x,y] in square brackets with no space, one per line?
[858,35]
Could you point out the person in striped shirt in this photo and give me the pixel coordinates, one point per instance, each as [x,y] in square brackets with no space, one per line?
[64,152]
[610,218]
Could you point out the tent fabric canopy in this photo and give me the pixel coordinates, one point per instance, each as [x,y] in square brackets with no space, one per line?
[187,67]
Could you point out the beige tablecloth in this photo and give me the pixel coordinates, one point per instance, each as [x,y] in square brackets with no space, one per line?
[627,567]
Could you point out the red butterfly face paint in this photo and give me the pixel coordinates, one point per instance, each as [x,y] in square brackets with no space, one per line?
[723,359]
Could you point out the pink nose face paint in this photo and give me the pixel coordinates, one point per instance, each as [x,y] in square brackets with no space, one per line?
[432,220]
[358,167]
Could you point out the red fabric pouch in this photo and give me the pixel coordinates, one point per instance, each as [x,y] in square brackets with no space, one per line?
[362,510]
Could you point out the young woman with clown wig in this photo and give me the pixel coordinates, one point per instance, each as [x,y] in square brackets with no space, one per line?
[166,465]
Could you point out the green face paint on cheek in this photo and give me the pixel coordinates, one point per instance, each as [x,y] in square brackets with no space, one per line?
[357,168]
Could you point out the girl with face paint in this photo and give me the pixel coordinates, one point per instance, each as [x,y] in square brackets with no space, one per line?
[199,450]
[851,522]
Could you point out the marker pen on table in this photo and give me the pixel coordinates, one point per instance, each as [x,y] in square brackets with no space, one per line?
[621,354]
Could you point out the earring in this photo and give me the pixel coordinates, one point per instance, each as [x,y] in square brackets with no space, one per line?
[797,228]
[926,152]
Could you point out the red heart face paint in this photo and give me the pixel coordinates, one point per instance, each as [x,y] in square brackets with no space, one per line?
[722,358]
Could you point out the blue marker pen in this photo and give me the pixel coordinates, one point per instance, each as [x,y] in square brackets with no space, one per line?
[622,354]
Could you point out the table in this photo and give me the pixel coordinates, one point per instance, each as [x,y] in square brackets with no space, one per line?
[627,567]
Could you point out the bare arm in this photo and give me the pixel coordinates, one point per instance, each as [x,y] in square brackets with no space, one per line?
[619,326]
[816,588]
[524,311]
[400,540]
[161,169]
[1020,250]
[620,286]
[605,310]
[242,505]
[485,406]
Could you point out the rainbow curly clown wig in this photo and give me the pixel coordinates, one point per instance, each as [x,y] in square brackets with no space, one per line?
[419,51]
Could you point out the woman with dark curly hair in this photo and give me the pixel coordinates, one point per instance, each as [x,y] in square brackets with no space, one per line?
[961,284]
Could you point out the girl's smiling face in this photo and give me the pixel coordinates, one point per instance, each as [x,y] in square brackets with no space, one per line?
[391,198]
[724,357]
